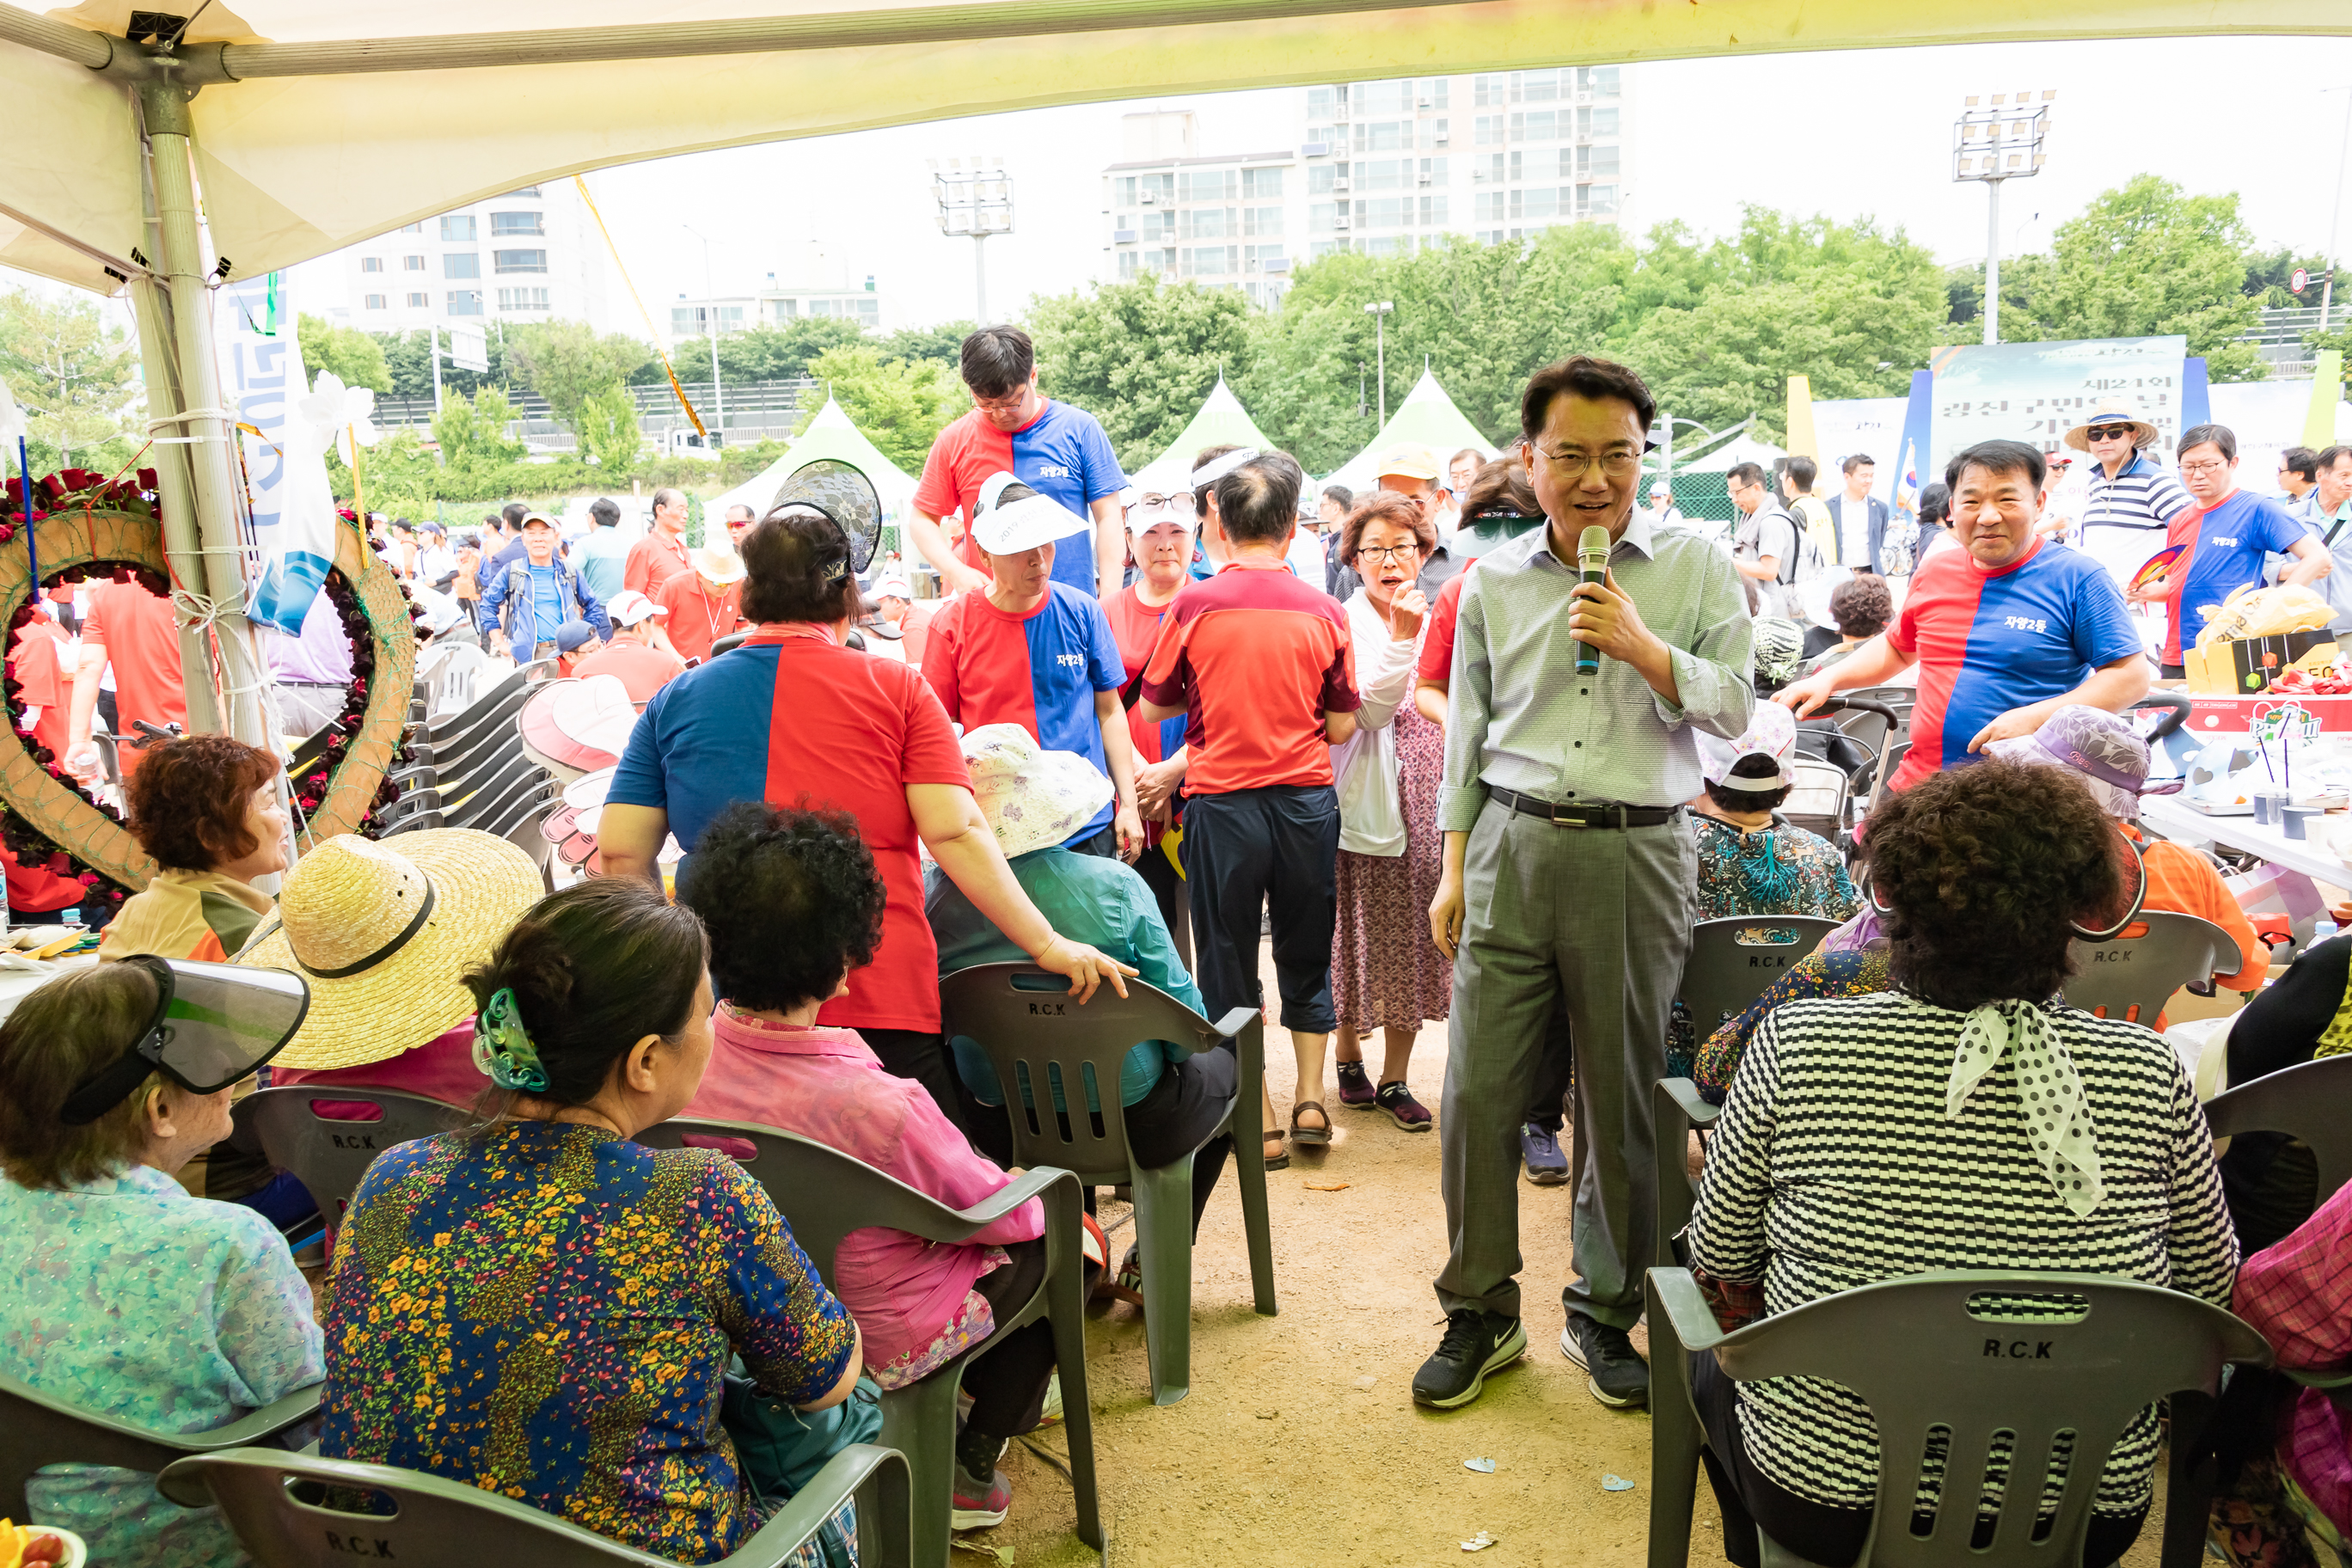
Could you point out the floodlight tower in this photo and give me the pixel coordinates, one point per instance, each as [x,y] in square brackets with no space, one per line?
[1999,136]
[978,201]
[1380,311]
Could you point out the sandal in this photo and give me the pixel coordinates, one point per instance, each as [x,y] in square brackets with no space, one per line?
[1403,1110]
[1277,1157]
[1310,1137]
[1355,1085]
[1127,1285]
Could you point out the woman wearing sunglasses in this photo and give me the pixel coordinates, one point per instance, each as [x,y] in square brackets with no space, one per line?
[1966,1119]
[128,1295]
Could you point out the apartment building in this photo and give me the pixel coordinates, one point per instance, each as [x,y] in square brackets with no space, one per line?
[1380,167]
[774,307]
[531,255]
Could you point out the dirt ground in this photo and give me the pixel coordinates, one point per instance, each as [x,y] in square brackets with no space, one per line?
[1300,1442]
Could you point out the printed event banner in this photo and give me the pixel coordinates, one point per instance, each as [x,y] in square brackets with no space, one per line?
[293,509]
[2038,391]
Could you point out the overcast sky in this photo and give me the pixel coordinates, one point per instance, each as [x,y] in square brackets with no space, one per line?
[1851,134]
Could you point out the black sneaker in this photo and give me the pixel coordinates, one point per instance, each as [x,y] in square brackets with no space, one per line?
[1476,1343]
[1614,1371]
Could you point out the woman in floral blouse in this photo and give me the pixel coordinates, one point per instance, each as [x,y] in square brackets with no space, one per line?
[128,1297]
[544,1309]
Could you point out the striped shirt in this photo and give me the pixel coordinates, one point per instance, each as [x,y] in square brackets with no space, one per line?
[2124,519]
[1833,1167]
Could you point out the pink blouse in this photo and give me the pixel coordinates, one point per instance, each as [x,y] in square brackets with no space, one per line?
[825,1084]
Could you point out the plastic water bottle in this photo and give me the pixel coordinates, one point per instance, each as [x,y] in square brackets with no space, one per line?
[2320,931]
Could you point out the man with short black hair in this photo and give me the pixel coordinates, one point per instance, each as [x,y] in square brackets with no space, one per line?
[2298,474]
[2223,542]
[1765,548]
[2006,630]
[1261,666]
[1796,477]
[602,558]
[1570,871]
[739,518]
[2326,513]
[1857,518]
[1054,449]
[526,605]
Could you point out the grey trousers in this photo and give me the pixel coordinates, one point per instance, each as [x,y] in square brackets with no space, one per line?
[1597,919]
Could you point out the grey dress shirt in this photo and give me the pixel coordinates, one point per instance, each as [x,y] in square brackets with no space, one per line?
[1521,718]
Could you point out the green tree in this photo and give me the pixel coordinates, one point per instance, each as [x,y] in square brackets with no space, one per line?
[1139,356]
[2270,275]
[408,362]
[944,343]
[900,406]
[607,425]
[2143,260]
[354,357]
[568,362]
[473,435]
[74,377]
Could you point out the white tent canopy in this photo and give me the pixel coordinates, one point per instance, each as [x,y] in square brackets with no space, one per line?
[1731,454]
[313,131]
[1222,419]
[1426,418]
[831,434]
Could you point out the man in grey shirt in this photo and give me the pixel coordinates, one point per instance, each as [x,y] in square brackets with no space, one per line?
[1571,875]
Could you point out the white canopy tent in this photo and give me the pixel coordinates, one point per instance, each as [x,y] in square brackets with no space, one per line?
[306,130]
[1426,418]
[832,434]
[1222,419]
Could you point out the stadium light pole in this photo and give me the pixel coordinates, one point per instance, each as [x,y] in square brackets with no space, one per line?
[977,202]
[710,326]
[2327,289]
[1999,136]
[1379,314]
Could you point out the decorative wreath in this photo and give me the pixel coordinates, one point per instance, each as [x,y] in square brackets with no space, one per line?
[86,526]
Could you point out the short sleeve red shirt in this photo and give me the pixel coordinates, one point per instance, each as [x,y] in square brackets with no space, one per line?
[1256,658]
[654,561]
[1437,643]
[136,629]
[36,661]
[698,617]
[641,666]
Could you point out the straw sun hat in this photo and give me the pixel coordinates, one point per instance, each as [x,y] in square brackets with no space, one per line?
[2112,411]
[381,932]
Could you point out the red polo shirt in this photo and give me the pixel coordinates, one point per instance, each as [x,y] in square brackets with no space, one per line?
[1256,658]
[654,561]
[143,642]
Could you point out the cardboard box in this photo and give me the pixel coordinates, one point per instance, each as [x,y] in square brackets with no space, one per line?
[2234,668]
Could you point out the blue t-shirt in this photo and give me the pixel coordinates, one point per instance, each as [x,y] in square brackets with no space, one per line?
[1991,641]
[1062,453]
[1040,671]
[546,601]
[2225,556]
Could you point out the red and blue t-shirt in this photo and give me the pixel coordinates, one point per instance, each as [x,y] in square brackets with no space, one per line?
[1991,641]
[1256,658]
[2226,546]
[1040,670]
[1062,453]
[800,721]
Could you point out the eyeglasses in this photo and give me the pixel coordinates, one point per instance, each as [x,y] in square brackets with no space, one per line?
[2111,433]
[1007,405]
[1615,464]
[1398,553]
[2212,468]
[1178,500]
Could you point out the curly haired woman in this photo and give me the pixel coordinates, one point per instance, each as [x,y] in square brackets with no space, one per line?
[206,808]
[1870,1137]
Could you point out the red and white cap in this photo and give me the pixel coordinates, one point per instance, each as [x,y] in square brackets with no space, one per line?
[1771,734]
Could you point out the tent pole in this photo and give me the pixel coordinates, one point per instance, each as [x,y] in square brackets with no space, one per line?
[165,106]
[175,490]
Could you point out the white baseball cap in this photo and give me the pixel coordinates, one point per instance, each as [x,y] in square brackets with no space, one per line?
[1008,528]
[1771,734]
[893,587]
[629,606]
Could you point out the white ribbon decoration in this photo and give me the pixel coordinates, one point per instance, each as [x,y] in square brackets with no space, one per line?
[2057,1113]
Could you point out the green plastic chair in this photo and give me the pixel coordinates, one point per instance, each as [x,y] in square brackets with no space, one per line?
[37,1430]
[1678,1109]
[2132,978]
[1922,1361]
[1021,1016]
[2311,1101]
[824,1195]
[438,1521]
[328,1158]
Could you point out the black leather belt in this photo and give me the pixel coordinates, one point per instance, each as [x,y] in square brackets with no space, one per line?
[1584,816]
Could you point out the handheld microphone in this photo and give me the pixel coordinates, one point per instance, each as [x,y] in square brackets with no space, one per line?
[1592,566]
